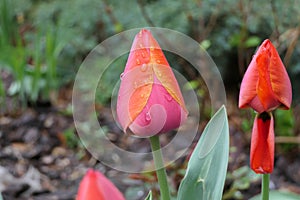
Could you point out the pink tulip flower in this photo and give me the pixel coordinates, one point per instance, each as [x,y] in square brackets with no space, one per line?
[150,101]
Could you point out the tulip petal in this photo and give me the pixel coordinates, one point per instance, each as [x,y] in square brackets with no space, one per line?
[152,122]
[266,84]
[144,50]
[146,63]
[89,187]
[264,87]
[280,81]
[165,75]
[95,186]
[262,144]
[161,114]
[248,90]
[135,89]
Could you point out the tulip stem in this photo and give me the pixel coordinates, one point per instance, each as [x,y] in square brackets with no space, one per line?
[265,186]
[160,169]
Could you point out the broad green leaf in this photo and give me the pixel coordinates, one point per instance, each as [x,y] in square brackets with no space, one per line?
[279,195]
[149,196]
[206,171]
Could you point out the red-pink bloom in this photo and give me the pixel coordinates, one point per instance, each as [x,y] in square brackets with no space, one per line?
[262,144]
[95,186]
[266,84]
[149,101]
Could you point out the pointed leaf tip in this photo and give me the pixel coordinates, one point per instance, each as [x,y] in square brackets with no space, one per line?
[214,128]
[206,172]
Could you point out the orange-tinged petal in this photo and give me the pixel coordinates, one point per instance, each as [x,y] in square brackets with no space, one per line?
[138,100]
[144,50]
[134,92]
[264,87]
[147,65]
[279,77]
[266,84]
[262,144]
[165,75]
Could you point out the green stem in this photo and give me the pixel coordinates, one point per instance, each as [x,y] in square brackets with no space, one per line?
[265,186]
[159,166]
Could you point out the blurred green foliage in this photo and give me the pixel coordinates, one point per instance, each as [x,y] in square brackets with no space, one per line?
[284,126]
[240,179]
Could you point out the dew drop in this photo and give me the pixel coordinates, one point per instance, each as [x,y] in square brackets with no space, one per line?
[135,85]
[142,95]
[148,117]
[140,34]
[121,76]
[141,45]
[159,74]
[144,67]
[158,61]
[143,55]
[168,97]
[151,48]
[138,61]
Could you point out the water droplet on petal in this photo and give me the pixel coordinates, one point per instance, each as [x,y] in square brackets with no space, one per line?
[151,48]
[121,76]
[158,61]
[159,74]
[169,97]
[142,95]
[140,34]
[144,67]
[138,61]
[148,117]
[135,85]
[143,55]
[141,45]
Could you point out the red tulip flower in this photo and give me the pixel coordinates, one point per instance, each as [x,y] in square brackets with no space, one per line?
[95,186]
[262,144]
[265,87]
[149,101]
[266,84]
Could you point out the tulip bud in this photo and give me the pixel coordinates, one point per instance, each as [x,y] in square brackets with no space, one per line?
[150,101]
[262,144]
[266,84]
[95,186]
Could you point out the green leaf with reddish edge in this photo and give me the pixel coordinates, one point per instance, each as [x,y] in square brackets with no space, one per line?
[206,171]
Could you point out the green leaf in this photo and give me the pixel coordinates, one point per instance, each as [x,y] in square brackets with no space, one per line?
[149,196]
[279,195]
[206,171]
